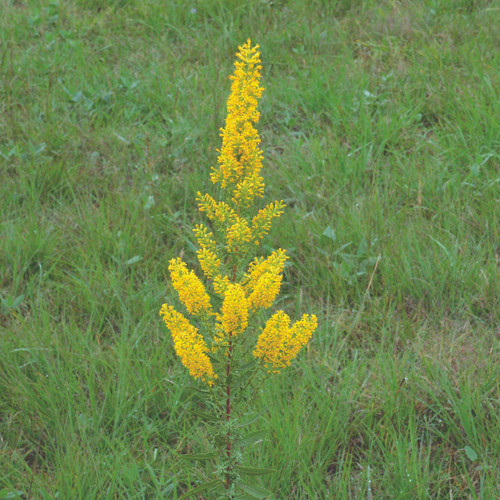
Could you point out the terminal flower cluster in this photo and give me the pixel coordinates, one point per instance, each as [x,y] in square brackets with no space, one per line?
[240,285]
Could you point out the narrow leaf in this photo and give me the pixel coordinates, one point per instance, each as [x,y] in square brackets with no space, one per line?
[133,260]
[7,494]
[208,417]
[247,366]
[254,471]
[210,485]
[251,418]
[252,437]
[199,456]
[256,491]
[192,388]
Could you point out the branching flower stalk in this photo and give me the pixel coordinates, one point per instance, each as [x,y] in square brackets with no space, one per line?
[226,351]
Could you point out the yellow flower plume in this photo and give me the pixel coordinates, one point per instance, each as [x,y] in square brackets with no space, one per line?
[261,223]
[237,235]
[221,284]
[240,159]
[262,281]
[278,344]
[234,317]
[188,344]
[238,226]
[207,254]
[191,291]
[217,211]
[239,166]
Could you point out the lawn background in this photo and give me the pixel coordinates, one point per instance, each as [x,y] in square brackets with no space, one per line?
[380,129]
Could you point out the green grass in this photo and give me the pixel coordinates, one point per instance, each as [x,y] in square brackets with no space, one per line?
[380,131]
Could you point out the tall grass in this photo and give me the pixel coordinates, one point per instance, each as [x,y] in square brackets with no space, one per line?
[380,130]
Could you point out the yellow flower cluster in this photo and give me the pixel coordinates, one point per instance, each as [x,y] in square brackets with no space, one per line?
[262,281]
[237,228]
[220,285]
[189,287]
[234,317]
[237,235]
[261,223]
[217,211]
[278,344]
[239,166]
[249,188]
[207,254]
[240,159]
[234,310]
[188,344]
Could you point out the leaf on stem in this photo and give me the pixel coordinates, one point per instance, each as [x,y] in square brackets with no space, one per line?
[209,485]
[250,418]
[256,491]
[254,471]
[199,456]
[252,437]
[207,417]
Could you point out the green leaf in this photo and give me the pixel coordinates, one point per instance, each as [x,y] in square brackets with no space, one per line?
[209,485]
[256,491]
[208,417]
[254,471]
[192,388]
[252,437]
[251,418]
[7,494]
[330,233]
[149,203]
[191,245]
[133,260]
[199,456]
[471,453]
[247,366]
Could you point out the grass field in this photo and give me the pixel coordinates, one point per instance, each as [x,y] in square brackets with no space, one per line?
[380,128]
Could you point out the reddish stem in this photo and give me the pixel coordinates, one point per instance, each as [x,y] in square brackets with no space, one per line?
[228,393]
[228,406]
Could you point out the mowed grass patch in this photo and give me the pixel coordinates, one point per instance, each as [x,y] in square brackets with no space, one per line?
[380,131]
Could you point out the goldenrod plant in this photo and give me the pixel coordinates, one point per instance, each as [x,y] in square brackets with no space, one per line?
[221,344]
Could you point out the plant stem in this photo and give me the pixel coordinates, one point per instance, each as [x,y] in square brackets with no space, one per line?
[228,400]
[228,409]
